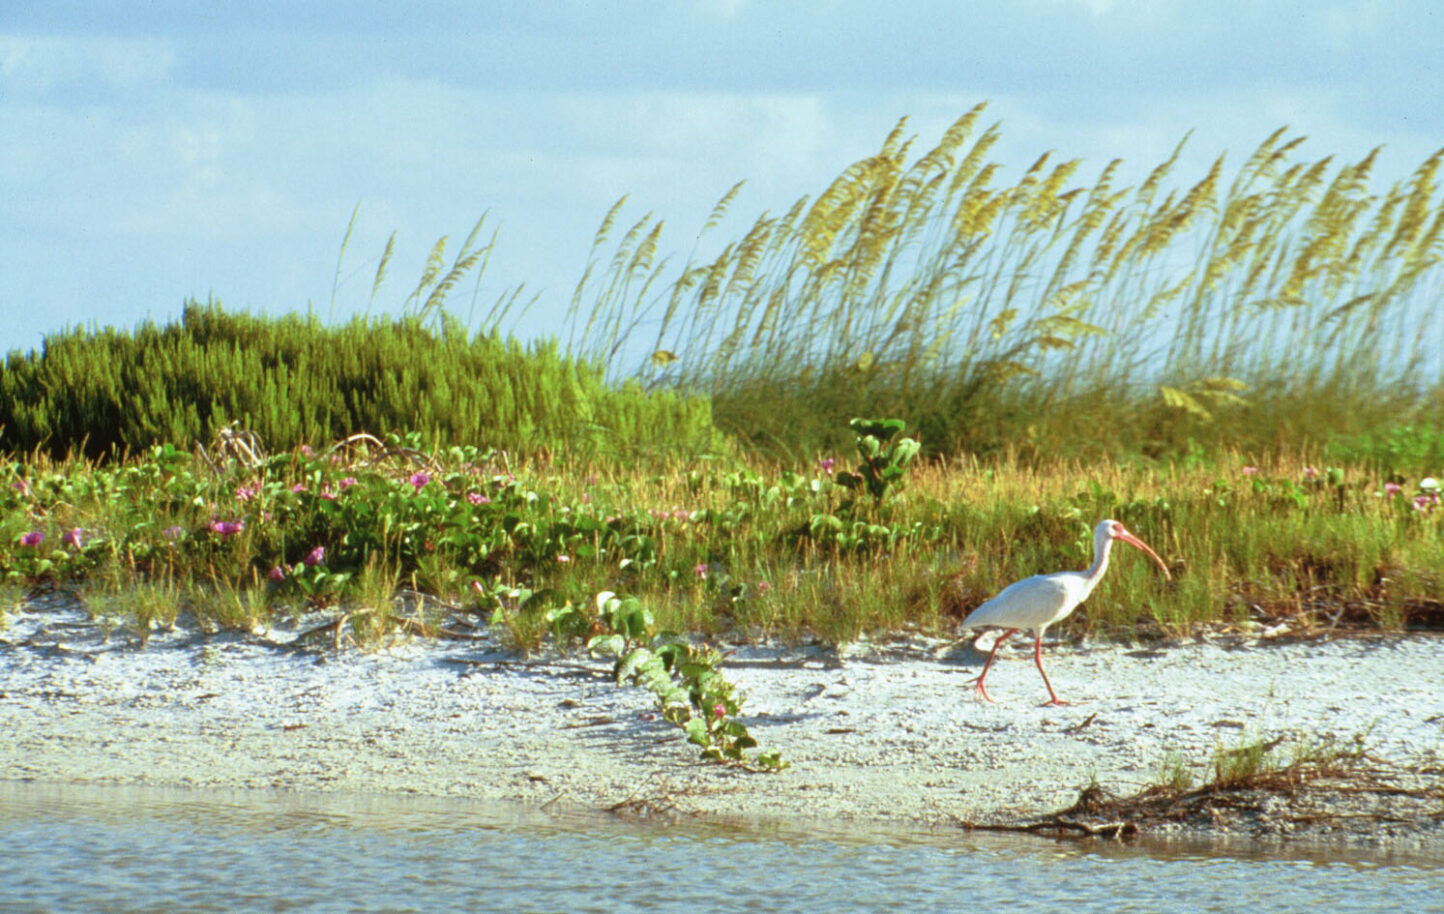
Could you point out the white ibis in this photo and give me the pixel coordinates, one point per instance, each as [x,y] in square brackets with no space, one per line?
[1037,602]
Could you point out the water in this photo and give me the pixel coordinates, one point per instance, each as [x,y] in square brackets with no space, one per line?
[123,849]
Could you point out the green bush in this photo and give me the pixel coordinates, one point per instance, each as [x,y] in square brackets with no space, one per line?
[294,380]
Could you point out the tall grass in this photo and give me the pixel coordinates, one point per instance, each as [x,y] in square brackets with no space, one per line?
[1262,303]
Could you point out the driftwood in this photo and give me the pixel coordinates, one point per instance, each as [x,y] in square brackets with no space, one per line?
[1344,787]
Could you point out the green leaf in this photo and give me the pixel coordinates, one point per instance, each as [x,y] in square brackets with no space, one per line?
[628,666]
[696,732]
[606,645]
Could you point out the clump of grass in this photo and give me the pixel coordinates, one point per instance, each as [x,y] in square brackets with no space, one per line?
[1174,773]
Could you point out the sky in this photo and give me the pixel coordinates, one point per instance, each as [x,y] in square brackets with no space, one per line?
[151,152]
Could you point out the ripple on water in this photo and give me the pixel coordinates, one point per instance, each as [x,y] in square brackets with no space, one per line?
[69,847]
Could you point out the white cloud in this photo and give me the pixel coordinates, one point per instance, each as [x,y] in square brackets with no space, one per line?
[41,63]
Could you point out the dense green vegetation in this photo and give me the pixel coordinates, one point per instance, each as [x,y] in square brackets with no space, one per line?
[710,545]
[293,380]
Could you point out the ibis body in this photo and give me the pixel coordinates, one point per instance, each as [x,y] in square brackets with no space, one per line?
[1035,603]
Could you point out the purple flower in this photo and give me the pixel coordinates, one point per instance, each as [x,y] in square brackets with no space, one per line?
[71,537]
[420,479]
[327,494]
[827,463]
[33,539]
[315,557]
[348,482]
[701,570]
[278,573]
[477,498]
[227,528]
[1424,503]
[173,532]
[21,486]
[1392,488]
[298,488]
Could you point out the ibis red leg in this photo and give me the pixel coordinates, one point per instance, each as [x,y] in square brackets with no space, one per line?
[1038,659]
[978,686]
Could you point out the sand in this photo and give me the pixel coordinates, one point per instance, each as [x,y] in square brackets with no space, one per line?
[874,733]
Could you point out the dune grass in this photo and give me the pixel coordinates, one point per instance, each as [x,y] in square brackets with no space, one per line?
[1281,300]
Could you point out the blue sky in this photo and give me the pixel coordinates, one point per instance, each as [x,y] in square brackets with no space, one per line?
[153,151]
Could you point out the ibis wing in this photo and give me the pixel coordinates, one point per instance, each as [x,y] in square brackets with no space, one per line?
[1029,603]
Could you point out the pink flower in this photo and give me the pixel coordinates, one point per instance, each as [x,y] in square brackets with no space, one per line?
[827,463]
[701,570]
[586,498]
[764,587]
[315,557]
[1311,472]
[21,486]
[681,514]
[327,494]
[306,451]
[420,479]
[173,532]
[278,573]
[1424,503]
[477,498]
[298,488]
[1250,471]
[72,537]
[1392,488]
[33,539]
[719,710]
[564,559]
[246,493]
[227,528]
[348,482]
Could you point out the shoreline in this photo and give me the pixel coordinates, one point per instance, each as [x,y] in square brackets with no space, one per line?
[885,734]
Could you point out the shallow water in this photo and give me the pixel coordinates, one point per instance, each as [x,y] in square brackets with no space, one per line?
[121,849]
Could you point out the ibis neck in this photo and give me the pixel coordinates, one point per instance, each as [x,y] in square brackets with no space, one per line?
[1101,547]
